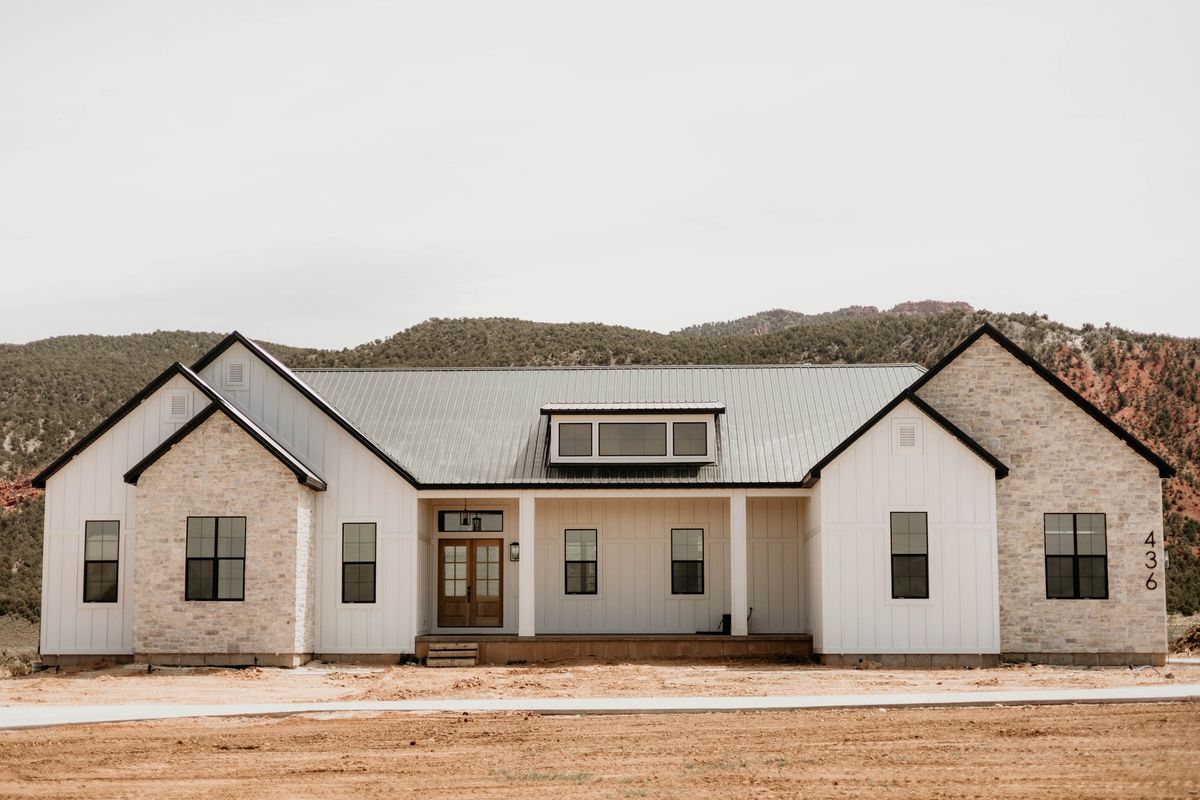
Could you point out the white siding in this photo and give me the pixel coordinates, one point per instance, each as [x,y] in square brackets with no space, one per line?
[92,487]
[813,567]
[776,558]
[858,490]
[634,566]
[361,489]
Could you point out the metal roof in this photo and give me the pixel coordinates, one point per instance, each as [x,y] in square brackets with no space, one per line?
[484,427]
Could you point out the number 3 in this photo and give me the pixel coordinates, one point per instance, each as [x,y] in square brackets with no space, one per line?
[1153,563]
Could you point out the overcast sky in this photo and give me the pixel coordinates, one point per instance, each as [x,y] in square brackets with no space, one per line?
[329,173]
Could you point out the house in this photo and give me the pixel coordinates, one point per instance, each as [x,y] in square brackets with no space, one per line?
[237,511]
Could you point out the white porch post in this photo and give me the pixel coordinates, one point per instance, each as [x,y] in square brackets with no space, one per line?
[527,594]
[739,606]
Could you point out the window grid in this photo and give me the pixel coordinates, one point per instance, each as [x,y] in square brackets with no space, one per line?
[216,559]
[358,562]
[909,539]
[579,564]
[1076,556]
[101,556]
[687,561]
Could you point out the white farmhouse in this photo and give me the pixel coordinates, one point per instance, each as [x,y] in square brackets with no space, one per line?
[239,512]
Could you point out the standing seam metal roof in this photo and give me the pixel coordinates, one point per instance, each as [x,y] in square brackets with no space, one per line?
[484,427]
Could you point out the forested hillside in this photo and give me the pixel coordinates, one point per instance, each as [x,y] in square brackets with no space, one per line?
[55,390]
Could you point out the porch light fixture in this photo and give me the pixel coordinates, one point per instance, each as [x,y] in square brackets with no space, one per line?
[464,519]
[514,551]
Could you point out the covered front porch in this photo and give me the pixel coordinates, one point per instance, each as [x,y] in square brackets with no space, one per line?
[616,574]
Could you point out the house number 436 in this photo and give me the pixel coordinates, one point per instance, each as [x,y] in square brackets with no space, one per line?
[1151,563]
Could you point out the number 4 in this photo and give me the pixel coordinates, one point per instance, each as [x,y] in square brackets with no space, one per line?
[1150,538]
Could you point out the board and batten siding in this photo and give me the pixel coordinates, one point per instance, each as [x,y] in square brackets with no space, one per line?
[362,488]
[813,585]
[633,566]
[776,563]
[92,487]
[859,489]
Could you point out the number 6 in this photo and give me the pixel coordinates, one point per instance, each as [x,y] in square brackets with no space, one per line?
[1151,584]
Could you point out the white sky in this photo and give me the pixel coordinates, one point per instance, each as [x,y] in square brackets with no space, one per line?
[329,173]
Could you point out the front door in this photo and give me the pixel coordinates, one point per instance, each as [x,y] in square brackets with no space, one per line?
[470,584]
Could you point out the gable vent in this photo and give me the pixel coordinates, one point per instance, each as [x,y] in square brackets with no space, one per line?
[235,373]
[176,406]
[907,434]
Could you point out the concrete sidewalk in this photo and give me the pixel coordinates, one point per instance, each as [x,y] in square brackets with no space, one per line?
[37,716]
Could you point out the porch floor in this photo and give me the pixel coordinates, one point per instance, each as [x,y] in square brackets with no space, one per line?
[512,649]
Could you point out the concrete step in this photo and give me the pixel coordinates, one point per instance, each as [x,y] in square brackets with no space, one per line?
[473,646]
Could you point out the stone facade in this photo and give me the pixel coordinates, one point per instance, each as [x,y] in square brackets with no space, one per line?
[1060,460]
[218,470]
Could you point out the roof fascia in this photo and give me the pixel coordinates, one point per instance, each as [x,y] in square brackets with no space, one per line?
[1165,470]
[290,378]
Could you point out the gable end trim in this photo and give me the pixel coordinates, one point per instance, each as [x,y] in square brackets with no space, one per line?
[1165,470]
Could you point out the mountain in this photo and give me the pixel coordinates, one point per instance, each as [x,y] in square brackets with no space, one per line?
[778,319]
[55,390]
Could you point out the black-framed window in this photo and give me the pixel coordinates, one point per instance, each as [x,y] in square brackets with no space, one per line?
[471,520]
[580,560]
[216,558]
[574,438]
[101,557]
[690,438]
[1076,556]
[633,438]
[687,561]
[910,555]
[358,562]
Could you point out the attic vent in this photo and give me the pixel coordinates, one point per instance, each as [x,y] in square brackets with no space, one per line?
[177,405]
[906,436]
[236,374]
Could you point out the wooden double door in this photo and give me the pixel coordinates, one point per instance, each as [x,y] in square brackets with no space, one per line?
[470,583]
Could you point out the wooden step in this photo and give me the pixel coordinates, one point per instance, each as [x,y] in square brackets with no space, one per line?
[449,662]
[452,654]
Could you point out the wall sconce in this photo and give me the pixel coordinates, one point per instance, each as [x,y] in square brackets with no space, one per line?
[514,551]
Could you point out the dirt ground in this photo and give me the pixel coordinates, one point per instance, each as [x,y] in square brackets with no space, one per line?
[126,684]
[1122,751]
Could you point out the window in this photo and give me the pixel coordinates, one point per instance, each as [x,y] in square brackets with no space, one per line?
[458,521]
[690,438]
[633,438]
[910,555]
[216,558]
[358,562]
[1076,556]
[580,561]
[687,561]
[101,543]
[575,439]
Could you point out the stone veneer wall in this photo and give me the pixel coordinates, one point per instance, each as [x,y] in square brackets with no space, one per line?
[1060,460]
[219,470]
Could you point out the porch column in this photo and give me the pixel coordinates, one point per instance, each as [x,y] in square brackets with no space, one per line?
[739,606]
[527,594]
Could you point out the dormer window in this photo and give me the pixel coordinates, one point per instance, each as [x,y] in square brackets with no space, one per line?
[633,433]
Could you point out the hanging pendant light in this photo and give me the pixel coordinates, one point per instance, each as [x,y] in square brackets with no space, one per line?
[464,519]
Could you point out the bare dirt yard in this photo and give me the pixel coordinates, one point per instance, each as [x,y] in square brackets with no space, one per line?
[1123,751]
[316,682]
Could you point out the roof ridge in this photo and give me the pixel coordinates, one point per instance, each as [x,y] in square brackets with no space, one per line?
[580,368]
